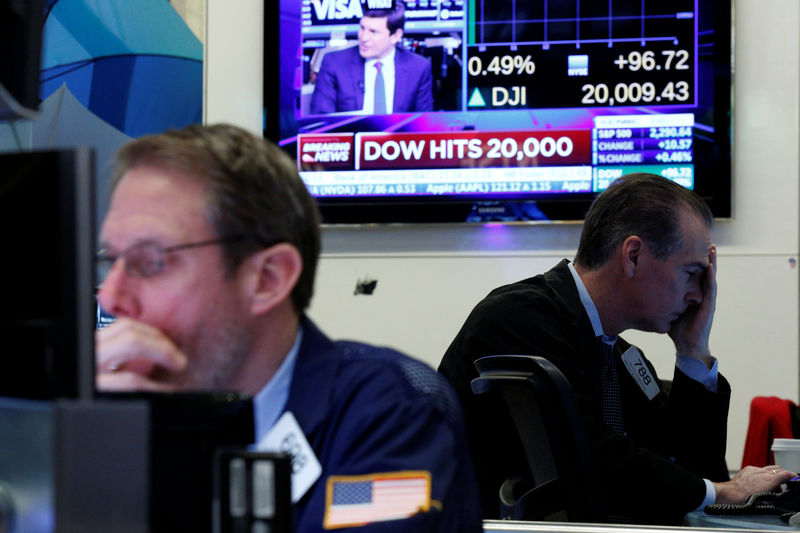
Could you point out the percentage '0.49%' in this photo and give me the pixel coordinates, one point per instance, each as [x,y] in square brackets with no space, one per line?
[505,65]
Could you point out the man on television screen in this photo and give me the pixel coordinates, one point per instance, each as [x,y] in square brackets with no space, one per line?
[645,261]
[377,76]
[211,242]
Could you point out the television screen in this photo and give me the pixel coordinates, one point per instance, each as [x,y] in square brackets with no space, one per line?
[500,110]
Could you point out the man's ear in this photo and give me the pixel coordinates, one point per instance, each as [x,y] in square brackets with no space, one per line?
[271,276]
[396,36]
[631,251]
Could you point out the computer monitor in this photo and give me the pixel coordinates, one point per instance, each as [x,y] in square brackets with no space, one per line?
[47,317]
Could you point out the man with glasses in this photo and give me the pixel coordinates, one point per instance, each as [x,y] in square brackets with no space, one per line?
[211,243]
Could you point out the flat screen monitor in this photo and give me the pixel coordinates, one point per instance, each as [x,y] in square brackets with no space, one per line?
[47,316]
[21,24]
[534,107]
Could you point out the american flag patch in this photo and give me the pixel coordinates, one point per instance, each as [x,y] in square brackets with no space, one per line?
[361,500]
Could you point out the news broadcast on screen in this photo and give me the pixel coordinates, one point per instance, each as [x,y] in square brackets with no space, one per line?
[528,111]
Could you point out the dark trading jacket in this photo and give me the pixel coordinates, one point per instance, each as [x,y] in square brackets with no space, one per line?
[367,410]
[652,475]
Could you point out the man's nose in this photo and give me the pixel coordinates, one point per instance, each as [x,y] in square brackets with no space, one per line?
[115,294]
[695,294]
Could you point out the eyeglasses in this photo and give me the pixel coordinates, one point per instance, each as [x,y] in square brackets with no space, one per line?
[148,259]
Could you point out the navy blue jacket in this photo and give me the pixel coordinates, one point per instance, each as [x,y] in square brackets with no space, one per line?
[340,82]
[367,410]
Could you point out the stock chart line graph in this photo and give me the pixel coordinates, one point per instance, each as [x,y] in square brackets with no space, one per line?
[547,54]
[545,23]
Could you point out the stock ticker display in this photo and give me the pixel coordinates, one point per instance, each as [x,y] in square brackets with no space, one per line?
[532,99]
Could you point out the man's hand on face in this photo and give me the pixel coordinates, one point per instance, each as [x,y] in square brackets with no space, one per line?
[691,331]
[130,354]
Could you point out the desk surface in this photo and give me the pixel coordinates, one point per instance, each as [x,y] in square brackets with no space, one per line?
[695,522]
[771,522]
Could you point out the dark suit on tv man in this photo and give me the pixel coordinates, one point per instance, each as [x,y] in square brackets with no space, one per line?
[341,82]
[645,261]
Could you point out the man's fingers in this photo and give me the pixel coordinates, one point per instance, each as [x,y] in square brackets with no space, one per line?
[136,347]
[129,381]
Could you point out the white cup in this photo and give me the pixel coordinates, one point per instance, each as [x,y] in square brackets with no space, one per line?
[787,453]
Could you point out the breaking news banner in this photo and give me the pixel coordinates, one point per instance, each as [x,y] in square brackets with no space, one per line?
[373,151]
[326,151]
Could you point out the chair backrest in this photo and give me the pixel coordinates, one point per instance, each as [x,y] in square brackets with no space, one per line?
[543,407]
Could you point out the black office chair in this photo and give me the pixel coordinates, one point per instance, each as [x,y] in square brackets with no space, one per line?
[542,405]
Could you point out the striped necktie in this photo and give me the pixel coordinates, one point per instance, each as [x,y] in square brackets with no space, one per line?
[612,397]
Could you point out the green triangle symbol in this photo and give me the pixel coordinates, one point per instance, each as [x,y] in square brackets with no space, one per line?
[476,100]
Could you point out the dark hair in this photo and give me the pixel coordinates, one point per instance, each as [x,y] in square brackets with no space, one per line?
[395,18]
[640,204]
[254,190]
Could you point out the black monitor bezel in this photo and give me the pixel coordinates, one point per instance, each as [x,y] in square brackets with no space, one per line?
[63,364]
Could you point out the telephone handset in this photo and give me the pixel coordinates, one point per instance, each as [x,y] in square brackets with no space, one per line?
[785,502]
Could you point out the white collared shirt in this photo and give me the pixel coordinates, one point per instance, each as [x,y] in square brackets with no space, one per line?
[387,67]
[270,401]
